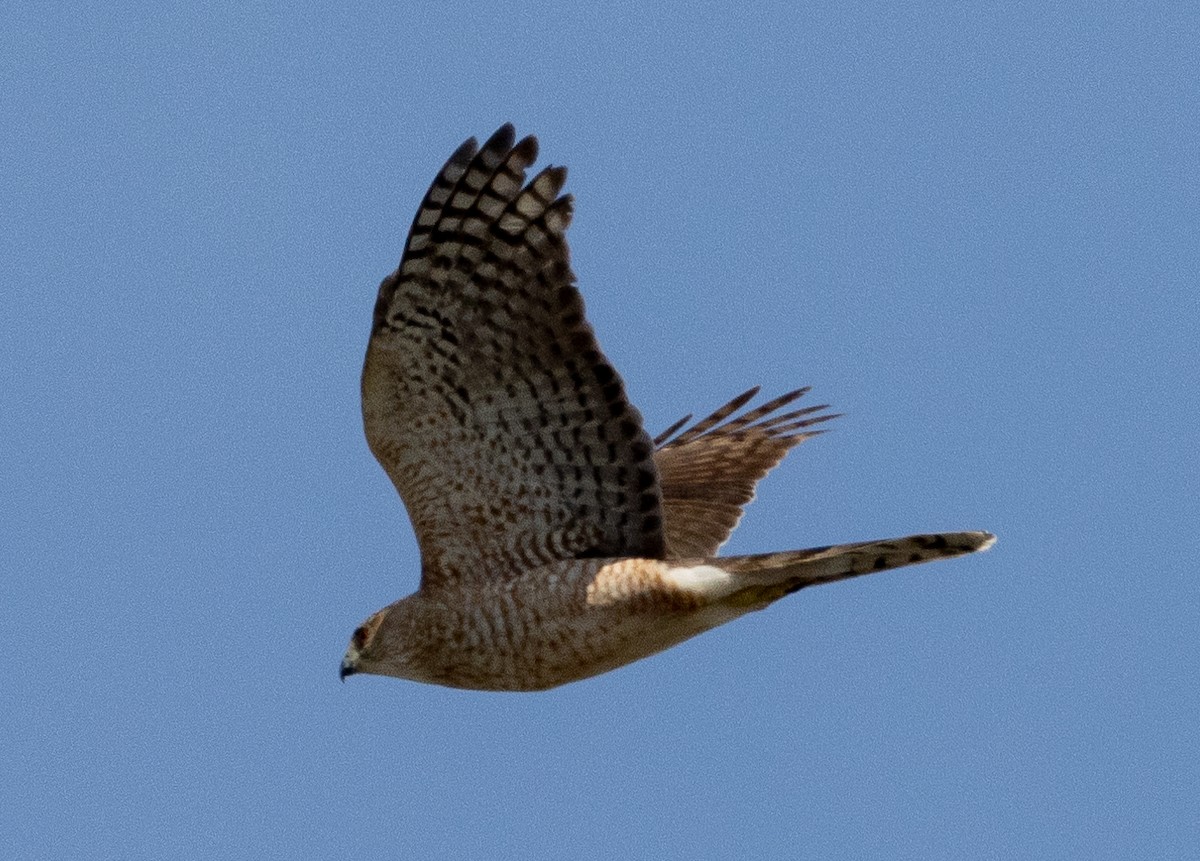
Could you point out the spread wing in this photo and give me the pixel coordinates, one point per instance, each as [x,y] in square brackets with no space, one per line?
[485,395]
[708,472]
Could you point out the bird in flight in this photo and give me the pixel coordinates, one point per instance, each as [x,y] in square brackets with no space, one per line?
[558,540]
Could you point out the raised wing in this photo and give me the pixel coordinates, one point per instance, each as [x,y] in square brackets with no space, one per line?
[708,472]
[485,395]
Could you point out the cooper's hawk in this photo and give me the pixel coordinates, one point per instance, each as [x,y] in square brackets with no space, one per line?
[557,539]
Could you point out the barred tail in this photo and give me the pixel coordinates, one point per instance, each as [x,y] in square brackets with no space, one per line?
[770,576]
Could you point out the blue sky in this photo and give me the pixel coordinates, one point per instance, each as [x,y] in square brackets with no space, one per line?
[971,229]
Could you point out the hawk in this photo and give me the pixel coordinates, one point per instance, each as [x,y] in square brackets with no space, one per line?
[558,540]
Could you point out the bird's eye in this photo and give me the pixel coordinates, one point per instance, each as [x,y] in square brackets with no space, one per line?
[359,638]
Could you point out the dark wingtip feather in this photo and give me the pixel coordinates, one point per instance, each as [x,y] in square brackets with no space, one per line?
[465,152]
[716,417]
[556,175]
[666,435]
[527,149]
[502,138]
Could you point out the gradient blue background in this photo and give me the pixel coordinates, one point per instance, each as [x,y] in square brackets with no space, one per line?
[973,230]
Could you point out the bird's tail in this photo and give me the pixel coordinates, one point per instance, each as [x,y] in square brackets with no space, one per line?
[768,577]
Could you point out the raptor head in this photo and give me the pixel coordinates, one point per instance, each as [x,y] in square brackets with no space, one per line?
[359,650]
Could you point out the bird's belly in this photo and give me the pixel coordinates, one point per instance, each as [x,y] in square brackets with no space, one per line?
[581,622]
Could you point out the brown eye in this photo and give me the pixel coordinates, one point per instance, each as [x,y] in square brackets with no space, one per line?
[359,637]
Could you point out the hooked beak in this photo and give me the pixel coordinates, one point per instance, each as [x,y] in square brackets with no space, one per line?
[347,669]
